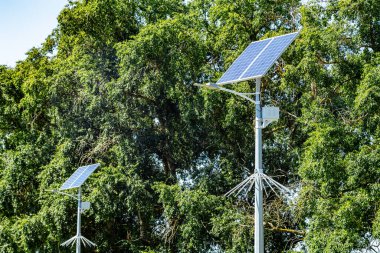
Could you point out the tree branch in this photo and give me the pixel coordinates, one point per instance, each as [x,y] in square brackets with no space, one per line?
[285,230]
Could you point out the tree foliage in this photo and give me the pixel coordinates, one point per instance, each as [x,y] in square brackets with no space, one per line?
[113,84]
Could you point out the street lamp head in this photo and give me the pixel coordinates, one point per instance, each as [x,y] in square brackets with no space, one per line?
[211,86]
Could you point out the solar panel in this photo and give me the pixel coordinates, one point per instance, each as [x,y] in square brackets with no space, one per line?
[79,176]
[243,61]
[256,59]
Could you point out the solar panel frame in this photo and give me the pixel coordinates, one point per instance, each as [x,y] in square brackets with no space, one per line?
[79,176]
[259,58]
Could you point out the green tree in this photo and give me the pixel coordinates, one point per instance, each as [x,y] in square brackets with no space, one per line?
[113,84]
[338,169]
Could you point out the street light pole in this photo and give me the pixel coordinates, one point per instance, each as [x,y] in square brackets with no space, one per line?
[258,178]
[79,220]
[75,181]
[259,227]
[252,64]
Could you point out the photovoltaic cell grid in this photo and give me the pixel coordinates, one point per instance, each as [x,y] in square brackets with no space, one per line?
[257,58]
[79,176]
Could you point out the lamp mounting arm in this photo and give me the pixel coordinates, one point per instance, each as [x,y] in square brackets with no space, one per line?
[217,87]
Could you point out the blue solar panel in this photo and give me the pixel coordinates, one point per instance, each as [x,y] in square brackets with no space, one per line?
[269,55]
[243,61]
[257,59]
[79,176]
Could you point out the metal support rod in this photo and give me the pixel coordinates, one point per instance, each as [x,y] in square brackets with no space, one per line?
[217,87]
[63,193]
[259,227]
[79,220]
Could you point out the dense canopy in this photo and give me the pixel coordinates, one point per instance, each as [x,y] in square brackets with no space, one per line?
[113,84]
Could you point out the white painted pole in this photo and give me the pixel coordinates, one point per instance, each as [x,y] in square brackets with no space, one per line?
[79,221]
[259,227]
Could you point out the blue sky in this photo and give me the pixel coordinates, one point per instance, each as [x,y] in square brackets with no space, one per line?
[25,24]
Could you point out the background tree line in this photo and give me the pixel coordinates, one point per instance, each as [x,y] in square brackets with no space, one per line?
[113,83]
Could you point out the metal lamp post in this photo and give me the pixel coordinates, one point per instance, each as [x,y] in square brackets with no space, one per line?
[75,181]
[259,221]
[259,227]
[254,63]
